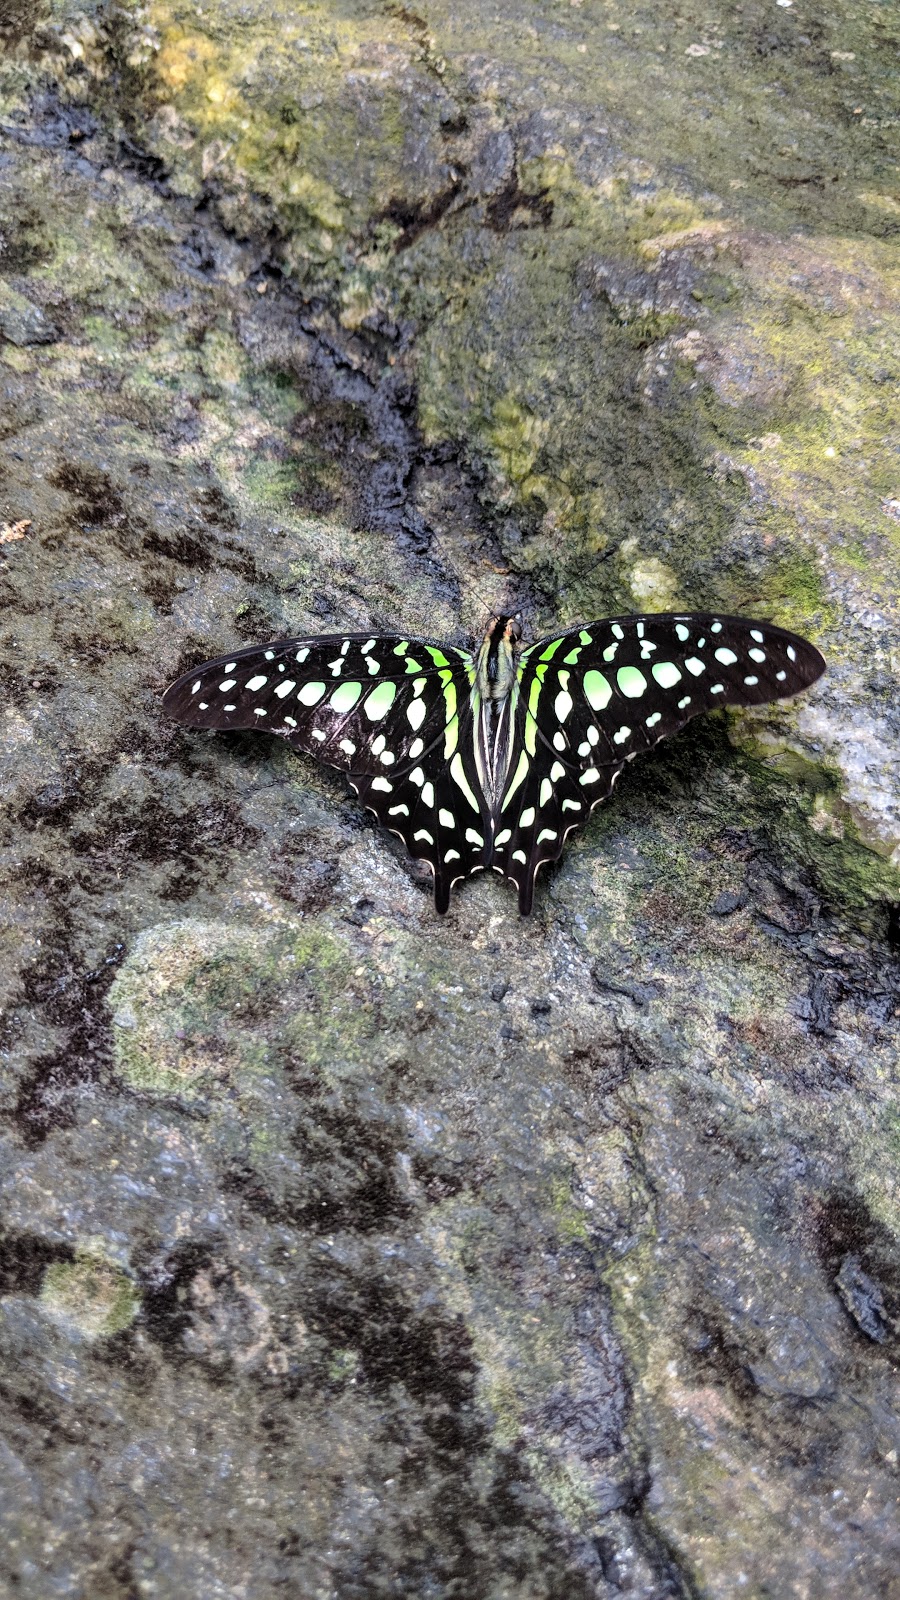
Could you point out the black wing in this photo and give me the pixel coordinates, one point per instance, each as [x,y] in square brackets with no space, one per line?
[392,713]
[592,699]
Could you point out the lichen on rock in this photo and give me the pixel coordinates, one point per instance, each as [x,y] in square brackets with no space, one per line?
[91,1295]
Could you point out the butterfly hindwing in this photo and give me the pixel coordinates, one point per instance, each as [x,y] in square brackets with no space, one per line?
[434,802]
[591,699]
[545,799]
[391,713]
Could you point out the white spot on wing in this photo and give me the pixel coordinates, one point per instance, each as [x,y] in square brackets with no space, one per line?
[666,674]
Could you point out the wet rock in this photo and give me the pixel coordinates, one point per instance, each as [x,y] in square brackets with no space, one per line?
[344,1251]
[729,901]
[863,1298]
[22,322]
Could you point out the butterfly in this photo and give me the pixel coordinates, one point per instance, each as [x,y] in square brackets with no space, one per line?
[492,757]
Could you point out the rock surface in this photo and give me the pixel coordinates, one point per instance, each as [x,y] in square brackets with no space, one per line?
[345,1252]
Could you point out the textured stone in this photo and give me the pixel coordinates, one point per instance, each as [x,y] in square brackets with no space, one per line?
[345,1252]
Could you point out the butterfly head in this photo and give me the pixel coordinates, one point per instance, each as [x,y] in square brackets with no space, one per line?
[497,656]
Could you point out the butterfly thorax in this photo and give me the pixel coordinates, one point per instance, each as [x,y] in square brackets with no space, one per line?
[496,663]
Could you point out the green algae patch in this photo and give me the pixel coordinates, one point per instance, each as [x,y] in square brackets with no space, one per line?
[176,1005]
[802,804]
[308,109]
[204,1007]
[580,422]
[90,1294]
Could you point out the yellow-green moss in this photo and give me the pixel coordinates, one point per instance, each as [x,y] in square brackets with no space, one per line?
[568,1215]
[90,1294]
[200,1006]
[179,1003]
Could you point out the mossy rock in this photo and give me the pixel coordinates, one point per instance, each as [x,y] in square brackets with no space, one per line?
[91,1295]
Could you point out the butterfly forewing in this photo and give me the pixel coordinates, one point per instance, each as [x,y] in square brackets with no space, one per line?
[593,698]
[392,713]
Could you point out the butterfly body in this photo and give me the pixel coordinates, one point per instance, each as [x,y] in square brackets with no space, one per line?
[492,758]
